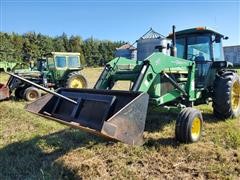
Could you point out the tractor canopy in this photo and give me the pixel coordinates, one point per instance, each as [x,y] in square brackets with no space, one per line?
[63,60]
[197,30]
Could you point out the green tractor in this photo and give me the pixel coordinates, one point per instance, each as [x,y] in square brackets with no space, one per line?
[188,70]
[58,69]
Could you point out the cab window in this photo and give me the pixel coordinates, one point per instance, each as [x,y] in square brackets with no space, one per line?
[217,49]
[198,48]
[50,62]
[73,62]
[180,45]
[61,61]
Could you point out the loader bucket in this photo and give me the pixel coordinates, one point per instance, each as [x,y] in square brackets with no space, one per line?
[118,115]
[4,92]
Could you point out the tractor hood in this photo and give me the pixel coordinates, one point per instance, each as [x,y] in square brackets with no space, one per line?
[27,72]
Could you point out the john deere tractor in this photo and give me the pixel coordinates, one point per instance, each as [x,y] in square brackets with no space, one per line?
[187,70]
[58,69]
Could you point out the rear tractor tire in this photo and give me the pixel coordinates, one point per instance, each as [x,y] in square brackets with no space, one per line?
[226,95]
[19,92]
[189,125]
[76,80]
[32,94]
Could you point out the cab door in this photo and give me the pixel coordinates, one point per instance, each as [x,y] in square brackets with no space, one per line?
[199,50]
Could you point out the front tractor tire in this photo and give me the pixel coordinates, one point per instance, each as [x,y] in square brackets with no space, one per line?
[226,95]
[189,125]
[76,80]
[31,94]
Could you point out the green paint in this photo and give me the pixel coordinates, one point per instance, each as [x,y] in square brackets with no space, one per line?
[183,85]
[57,67]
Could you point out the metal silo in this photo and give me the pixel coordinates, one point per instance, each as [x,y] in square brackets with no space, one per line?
[147,43]
[127,51]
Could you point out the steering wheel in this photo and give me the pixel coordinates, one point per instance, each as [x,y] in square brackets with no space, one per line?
[191,57]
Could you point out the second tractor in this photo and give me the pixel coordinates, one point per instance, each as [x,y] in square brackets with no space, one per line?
[57,69]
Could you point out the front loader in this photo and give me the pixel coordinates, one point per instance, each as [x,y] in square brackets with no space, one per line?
[193,73]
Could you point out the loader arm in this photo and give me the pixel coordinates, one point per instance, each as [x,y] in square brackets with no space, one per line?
[149,76]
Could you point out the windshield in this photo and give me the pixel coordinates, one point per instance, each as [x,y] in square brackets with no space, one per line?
[194,47]
[198,48]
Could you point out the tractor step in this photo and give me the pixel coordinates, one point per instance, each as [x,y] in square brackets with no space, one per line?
[118,115]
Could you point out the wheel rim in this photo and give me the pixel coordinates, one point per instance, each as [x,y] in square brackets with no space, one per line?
[235,96]
[77,82]
[196,127]
[33,95]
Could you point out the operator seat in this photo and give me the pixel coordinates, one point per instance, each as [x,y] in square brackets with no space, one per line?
[200,57]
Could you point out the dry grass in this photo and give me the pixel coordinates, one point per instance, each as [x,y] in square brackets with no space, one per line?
[32,147]
[92,75]
[3,77]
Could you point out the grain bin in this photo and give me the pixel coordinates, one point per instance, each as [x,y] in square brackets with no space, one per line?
[147,43]
[127,51]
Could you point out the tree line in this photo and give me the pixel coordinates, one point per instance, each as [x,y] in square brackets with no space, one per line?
[31,45]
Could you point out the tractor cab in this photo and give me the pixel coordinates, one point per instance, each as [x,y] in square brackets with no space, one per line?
[64,70]
[204,46]
[63,60]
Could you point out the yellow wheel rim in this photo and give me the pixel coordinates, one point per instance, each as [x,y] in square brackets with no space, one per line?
[196,127]
[77,82]
[33,95]
[235,95]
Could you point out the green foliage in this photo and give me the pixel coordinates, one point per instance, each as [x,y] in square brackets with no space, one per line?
[31,45]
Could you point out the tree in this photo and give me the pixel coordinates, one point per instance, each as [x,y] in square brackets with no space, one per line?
[58,44]
[17,42]
[45,44]
[30,46]
[15,47]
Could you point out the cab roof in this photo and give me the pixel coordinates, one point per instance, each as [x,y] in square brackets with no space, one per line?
[63,53]
[197,30]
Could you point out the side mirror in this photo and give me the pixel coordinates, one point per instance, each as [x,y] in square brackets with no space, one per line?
[225,37]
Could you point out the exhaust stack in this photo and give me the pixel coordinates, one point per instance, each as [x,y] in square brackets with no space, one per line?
[173,49]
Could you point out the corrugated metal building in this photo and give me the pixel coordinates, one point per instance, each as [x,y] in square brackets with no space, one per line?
[232,54]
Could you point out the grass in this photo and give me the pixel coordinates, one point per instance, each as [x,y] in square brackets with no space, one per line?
[32,147]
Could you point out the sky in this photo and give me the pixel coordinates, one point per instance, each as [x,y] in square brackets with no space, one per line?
[125,20]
